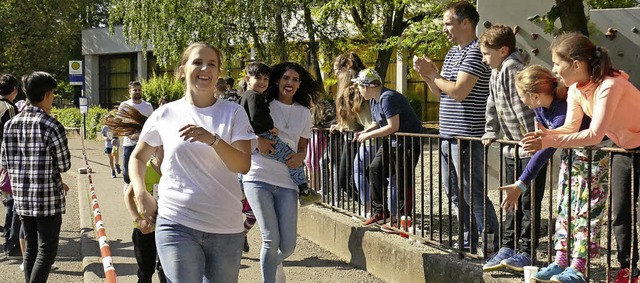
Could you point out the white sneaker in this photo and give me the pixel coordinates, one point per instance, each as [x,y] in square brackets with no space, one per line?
[280,276]
[54,267]
[21,267]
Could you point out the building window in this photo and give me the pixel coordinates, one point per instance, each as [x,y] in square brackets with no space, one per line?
[156,70]
[116,71]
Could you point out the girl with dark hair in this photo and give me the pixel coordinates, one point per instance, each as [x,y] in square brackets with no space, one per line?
[271,192]
[255,105]
[604,94]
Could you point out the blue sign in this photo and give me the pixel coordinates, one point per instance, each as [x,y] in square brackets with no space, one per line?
[76,79]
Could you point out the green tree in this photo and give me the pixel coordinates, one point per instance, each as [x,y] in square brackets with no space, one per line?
[572,13]
[44,34]
[381,24]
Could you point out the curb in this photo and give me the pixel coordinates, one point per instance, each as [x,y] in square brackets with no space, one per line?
[388,257]
[91,263]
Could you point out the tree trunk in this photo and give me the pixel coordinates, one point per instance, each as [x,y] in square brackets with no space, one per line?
[281,42]
[257,44]
[313,46]
[393,26]
[572,17]
[382,62]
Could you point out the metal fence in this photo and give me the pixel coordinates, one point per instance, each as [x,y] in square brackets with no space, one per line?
[337,167]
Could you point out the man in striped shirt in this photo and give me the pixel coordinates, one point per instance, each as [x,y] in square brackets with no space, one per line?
[35,152]
[463,86]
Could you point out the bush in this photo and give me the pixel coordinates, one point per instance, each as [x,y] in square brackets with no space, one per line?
[72,118]
[159,86]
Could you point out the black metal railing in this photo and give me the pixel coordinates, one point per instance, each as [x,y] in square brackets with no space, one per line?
[337,167]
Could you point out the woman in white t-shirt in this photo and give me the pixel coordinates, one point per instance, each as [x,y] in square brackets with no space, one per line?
[206,142]
[271,192]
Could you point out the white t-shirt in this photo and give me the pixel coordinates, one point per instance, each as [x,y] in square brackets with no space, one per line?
[108,134]
[294,122]
[197,189]
[145,108]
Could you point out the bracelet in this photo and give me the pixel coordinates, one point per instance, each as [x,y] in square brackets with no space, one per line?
[216,140]
[522,186]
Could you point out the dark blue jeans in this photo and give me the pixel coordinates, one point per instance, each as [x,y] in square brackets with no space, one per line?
[12,226]
[397,162]
[126,154]
[471,173]
[520,223]
[41,235]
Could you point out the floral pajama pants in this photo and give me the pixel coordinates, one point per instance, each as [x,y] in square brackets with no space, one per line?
[577,208]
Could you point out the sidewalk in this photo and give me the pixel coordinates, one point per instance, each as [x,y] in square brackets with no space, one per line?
[309,263]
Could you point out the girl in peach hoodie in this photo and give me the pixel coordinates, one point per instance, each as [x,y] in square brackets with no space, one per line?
[603,93]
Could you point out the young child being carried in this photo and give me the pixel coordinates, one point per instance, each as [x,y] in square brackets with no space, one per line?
[254,102]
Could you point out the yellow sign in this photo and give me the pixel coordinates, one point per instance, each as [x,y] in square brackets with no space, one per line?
[75,67]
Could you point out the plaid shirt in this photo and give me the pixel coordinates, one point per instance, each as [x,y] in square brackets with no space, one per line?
[35,152]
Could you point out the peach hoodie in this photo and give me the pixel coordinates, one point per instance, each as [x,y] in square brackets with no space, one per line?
[614,107]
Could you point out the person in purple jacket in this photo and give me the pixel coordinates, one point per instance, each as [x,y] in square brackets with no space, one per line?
[540,90]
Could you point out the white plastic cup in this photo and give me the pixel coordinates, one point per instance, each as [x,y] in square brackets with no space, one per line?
[405,222]
[528,271]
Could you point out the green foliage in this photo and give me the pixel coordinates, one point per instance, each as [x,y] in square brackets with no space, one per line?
[65,90]
[42,35]
[239,25]
[69,117]
[72,118]
[425,38]
[94,121]
[606,4]
[159,86]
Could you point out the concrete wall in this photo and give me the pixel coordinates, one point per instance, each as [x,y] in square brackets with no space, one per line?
[388,257]
[624,49]
[98,41]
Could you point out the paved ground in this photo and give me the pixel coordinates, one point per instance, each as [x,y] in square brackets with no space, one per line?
[309,263]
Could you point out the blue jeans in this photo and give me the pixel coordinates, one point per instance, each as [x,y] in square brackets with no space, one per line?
[276,210]
[383,167]
[480,200]
[361,177]
[189,255]
[126,154]
[280,153]
[12,224]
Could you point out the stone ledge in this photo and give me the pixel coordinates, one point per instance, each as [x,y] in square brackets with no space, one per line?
[388,257]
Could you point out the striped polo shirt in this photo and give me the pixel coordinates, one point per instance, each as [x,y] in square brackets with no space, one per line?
[465,118]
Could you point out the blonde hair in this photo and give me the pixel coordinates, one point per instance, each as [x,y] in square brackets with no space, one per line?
[348,99]
[187,53]
[348,105]
[538,79]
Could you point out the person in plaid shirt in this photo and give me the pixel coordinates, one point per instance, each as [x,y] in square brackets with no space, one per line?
[35,152]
